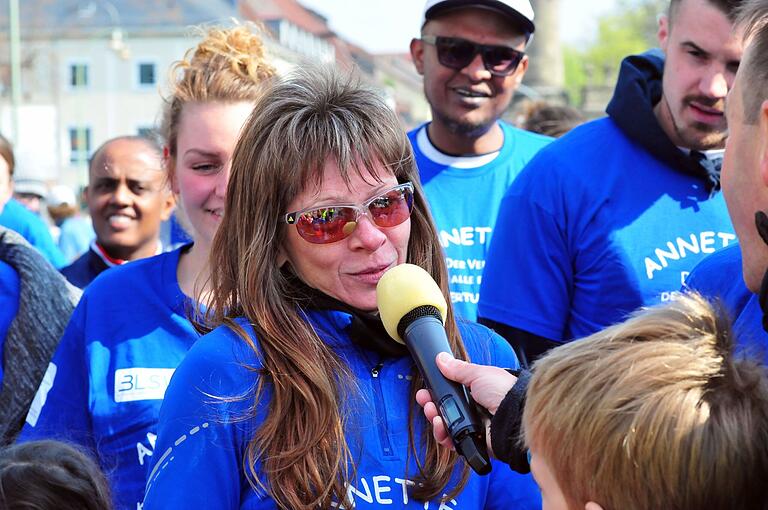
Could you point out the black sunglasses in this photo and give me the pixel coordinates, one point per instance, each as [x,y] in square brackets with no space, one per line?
[458,53]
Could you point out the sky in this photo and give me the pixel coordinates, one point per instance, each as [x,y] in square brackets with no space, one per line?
[387,26]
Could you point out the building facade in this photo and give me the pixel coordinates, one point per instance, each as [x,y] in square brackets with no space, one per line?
[95,69]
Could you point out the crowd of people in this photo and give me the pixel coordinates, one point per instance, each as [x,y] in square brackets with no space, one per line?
[591,273]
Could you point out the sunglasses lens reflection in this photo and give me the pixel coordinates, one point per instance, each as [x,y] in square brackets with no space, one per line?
[330,224]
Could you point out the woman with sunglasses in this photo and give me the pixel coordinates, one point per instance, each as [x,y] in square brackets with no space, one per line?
[131,329]
[298,399]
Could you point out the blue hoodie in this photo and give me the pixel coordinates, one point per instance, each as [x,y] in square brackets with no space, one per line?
[608,218]
[202,440]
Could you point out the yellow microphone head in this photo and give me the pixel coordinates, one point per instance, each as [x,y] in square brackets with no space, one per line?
[402,289]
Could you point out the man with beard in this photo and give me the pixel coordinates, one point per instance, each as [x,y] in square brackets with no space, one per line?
[471,55]
[128,198]
[613,215]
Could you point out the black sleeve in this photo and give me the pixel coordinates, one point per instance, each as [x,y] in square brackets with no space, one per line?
[527,346]
[506,425]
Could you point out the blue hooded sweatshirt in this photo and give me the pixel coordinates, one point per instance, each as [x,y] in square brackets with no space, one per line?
[608,218]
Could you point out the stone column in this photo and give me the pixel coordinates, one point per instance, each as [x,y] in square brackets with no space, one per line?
[545,72]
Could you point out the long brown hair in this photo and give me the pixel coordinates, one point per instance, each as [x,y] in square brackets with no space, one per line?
[299,124]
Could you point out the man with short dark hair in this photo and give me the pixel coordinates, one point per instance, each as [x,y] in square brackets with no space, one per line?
[472,57]
[128,199]
[738,275]
[615,214]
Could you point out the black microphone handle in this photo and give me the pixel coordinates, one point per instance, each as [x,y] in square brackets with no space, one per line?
[425,338]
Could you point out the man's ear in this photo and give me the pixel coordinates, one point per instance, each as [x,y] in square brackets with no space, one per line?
[591,505]
[663,32]
[522,67]
[762,142]
[417,54]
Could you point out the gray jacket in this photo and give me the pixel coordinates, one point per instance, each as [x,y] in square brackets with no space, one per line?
[46,301]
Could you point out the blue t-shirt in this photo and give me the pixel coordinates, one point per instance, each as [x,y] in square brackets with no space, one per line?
[16,217]
[464,194]
[201,440]
[104,386]
[593,228]
[9,305]
[719,276]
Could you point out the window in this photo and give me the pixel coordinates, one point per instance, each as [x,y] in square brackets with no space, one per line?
[78,75]
[79,144]
[146,74]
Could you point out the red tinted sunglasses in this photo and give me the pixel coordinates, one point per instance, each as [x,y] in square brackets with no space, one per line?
[331,223]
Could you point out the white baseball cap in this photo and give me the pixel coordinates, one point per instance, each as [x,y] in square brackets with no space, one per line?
[519,10]
[61,195]
[30,187]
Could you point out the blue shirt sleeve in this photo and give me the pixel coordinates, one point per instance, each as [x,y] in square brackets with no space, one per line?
[60,409]
[201,435]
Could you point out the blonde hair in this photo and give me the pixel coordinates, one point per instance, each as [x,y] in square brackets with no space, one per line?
[299,124]
[653,413]
[228,65]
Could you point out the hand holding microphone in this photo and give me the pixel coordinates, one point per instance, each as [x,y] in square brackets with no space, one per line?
[413,308]
[488,386]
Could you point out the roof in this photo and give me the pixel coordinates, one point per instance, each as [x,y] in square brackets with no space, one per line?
[289,10]
[40,18]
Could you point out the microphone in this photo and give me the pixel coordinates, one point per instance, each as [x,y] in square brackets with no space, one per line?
[413,308]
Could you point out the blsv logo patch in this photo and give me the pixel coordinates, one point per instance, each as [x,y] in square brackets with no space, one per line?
[132,384]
